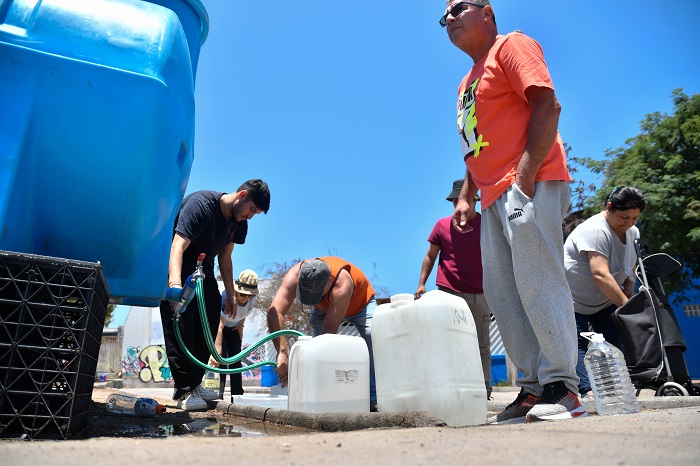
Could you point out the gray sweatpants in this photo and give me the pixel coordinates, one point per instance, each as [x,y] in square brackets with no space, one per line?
[522,251]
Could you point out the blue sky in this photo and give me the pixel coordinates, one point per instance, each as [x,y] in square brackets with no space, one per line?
[347,110]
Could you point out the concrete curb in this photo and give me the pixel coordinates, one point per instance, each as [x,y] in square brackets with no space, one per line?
[335,422]
[330,422]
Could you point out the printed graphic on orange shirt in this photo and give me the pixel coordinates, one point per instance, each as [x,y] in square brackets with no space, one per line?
[470,140]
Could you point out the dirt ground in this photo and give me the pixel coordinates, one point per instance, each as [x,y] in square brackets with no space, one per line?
[104,424]
[173,422]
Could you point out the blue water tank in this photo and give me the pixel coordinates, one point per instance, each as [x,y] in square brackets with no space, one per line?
[97,132]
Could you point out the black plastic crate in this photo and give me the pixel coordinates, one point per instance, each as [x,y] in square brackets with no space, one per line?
[52,313]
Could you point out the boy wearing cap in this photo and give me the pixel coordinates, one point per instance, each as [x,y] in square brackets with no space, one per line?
[460,273]
[338,291]
[230,333]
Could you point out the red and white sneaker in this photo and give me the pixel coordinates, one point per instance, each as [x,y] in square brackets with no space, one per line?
[516,411]
[558,402]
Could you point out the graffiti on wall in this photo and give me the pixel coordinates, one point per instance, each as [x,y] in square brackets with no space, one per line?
[130,361]
[155,364]
[149,364]
[258,354]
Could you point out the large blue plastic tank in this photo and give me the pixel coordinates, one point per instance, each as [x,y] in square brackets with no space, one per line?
[97,132]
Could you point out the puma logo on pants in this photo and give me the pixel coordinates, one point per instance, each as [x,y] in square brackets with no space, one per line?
[518,213]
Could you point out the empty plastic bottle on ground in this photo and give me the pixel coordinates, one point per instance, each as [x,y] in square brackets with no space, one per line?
[125,404]
[607,371]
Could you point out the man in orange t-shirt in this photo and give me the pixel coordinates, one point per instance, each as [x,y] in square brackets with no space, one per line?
[507,117]
[338,291]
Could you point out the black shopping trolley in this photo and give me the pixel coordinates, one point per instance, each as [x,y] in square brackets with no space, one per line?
[652,339]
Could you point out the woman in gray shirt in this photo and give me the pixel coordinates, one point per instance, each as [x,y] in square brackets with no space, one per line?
[599,259]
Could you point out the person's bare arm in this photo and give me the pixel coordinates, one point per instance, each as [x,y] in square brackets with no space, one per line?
[427,268]
[218,343]
[465,204]
[177,249]
[226,269]
[279,307]
[541,133]
[600,268]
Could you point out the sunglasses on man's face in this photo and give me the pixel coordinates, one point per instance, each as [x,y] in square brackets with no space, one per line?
[456,10]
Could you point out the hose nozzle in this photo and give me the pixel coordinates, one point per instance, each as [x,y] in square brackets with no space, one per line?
[181,297]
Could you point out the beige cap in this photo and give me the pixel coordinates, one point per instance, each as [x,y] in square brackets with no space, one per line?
[247,283]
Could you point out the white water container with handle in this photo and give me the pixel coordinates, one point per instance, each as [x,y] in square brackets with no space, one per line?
[329,373]
[426,358]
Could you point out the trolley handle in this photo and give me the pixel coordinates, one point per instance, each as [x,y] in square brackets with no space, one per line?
[638,247]
[638,251]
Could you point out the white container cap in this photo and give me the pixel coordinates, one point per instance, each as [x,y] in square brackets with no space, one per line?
[401,298]
[592,336]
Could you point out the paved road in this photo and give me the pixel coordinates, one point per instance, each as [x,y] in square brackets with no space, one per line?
[665,432]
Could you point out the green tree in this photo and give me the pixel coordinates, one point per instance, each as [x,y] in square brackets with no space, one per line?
[664,162]
[580,191]
[108,316]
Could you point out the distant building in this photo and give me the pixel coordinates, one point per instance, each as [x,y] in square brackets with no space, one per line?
[688,316]
[109,360]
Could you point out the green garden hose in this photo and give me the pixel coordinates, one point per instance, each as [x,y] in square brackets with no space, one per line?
[210,341]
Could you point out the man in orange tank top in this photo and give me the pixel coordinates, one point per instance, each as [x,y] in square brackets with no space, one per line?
[339,292]
[507,119]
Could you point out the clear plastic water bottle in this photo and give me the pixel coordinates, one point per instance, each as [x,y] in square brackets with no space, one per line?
[124,404]
[212,380]
[607,372]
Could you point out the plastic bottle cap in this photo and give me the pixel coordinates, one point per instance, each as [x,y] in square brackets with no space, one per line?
[401,298]
[593,336]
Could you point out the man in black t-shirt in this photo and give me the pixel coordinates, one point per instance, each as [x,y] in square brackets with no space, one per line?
[208,222]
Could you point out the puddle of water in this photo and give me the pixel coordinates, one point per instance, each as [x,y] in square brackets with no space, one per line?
[211,427]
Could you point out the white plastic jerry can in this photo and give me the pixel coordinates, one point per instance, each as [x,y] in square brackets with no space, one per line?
[426,358]
[329,373]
